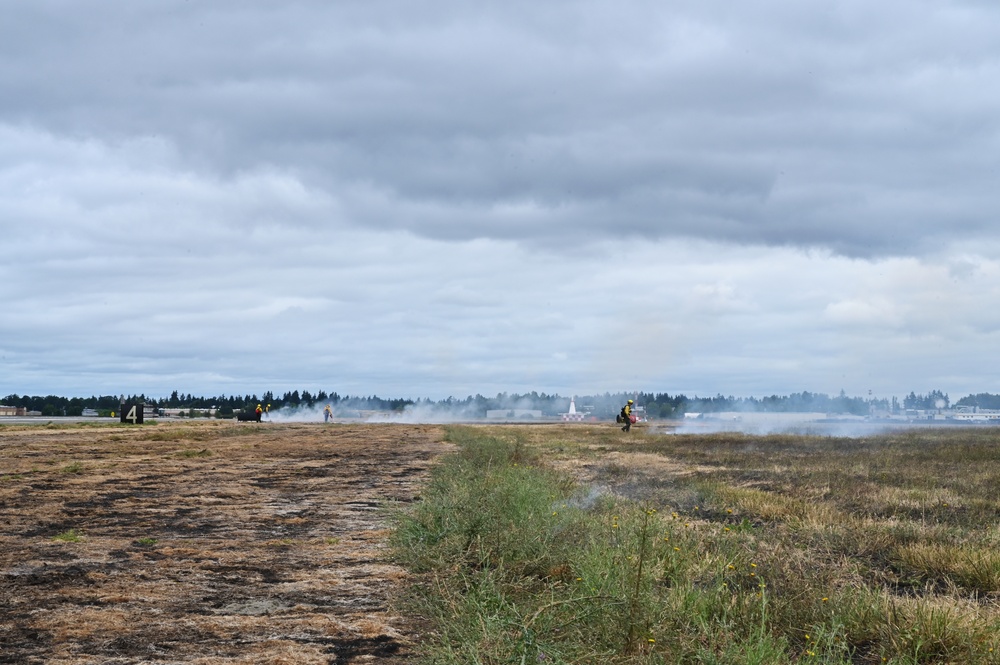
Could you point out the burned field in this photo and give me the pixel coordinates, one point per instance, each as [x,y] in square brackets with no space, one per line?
[212,542]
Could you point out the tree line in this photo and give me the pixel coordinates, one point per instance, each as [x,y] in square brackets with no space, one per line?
[606,405]
[224,405]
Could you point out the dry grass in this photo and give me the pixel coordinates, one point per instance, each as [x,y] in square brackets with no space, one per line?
[203,542]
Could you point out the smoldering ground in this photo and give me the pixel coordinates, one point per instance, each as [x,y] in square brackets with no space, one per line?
[204,541]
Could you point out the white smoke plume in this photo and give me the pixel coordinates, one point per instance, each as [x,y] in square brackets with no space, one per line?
[521,409]
[763,423]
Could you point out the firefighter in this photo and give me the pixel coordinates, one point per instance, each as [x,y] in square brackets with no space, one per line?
[259,411]
[327,413]
[627,417]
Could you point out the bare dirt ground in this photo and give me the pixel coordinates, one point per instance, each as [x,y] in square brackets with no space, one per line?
[207,543]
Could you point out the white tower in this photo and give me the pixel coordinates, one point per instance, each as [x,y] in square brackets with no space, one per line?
[572,414]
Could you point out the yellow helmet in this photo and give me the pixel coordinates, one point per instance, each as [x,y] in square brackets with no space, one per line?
[630,401]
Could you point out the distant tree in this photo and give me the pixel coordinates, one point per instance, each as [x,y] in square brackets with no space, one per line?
[981,400]
[935,399]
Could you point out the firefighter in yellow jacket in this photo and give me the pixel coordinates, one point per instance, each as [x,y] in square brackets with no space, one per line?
[627,417]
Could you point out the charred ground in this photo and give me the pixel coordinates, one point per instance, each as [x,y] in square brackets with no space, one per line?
[207,543]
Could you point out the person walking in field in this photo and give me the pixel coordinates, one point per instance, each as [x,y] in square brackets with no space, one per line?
[627,417]
[327,413]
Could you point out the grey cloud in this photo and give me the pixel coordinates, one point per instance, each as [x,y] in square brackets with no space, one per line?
[760,122]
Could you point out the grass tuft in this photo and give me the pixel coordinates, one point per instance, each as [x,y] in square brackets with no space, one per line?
[71,536]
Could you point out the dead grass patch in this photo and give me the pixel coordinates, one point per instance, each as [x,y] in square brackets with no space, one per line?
[191,557]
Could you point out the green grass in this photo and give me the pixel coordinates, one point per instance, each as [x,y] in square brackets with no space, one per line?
[71,536]
[752,549]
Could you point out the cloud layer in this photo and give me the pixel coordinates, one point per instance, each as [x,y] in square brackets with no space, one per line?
[376,197]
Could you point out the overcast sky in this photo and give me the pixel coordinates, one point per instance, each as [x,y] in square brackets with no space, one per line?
[450,198]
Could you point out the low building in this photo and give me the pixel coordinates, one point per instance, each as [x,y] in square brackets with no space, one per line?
[151,411]
[976,415]
[12,410]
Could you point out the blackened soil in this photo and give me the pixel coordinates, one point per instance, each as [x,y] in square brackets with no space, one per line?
[209,543]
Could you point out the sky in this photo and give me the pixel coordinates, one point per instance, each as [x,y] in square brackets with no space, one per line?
[450,198]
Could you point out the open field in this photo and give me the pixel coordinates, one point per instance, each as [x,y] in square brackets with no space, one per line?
[203,542]
[218,542]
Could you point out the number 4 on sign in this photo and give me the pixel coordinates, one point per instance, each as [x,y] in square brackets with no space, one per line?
[133,415]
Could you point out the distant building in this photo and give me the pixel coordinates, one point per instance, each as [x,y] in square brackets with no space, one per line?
[12,410]
[976,415]
[152,411]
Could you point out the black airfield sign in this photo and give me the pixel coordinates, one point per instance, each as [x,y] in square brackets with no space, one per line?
[132,413]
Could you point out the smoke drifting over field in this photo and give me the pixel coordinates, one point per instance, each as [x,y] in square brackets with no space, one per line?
[777,423]
[423,413]
[427,414]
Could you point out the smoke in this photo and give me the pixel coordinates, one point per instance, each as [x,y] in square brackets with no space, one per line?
[762,423]
[302,414]
[427,414]
[519,409]
[292,415]
[512,409]
[589,499]
[528,409]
